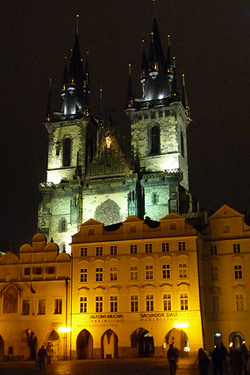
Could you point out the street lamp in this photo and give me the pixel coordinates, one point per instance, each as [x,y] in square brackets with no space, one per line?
[64,330]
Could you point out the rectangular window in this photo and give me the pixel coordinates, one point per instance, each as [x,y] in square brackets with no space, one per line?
[238,272]
[165,247]
[58,306]
[183,301]
[166,302]
[91,232]
[133,249]
[113,250]
[183,271]
[99,251]
[181,245]
[213,249]
[51,270]
[26,307]
[132,229]
[214,273]
[240,303]
[149,302]
[41,306]
[26,271]
[236,247]
[165,271]
[113,274]
[149,273]
[113,304]
[172,226]
[134,303]
[83,275]
[84,251]
[148,248]
[215,303]
[83,305]
[99,274]
[99,304]
[38,270]
[226,229]
[134,275]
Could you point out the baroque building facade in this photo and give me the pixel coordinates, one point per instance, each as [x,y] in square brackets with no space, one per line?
[88,175]
[129,290]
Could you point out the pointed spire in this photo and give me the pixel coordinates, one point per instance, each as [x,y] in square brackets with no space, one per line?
[169,62]
[77,23]
[153,62]
[101,115]
[175,93]
[157,43]
[86,74]
[154,2]
[144,65]
[49,114]
[130,97]
[184,97]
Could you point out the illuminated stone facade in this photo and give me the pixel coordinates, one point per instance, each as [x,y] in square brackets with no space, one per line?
[33,302]
[88,175]
[128,290]
[225,278]
[131,285]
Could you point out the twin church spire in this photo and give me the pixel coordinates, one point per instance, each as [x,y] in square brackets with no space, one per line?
[158,77]
[158,81]
[75,89]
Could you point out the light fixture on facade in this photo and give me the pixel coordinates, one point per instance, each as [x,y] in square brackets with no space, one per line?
[64,329]
[181,325]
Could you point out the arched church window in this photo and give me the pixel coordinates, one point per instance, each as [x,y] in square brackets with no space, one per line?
[62,225]
[182,145]
[155,198]
[154,140]
[67,143]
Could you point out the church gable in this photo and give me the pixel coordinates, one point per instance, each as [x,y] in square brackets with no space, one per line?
[225,212]
[109,159]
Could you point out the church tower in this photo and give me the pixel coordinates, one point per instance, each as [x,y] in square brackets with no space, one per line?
[89,177]
[72,144]
[159,119]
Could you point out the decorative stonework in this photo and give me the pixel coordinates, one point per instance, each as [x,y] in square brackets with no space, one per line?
[108,212]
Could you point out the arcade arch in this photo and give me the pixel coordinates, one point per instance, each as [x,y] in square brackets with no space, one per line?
[52,344]
[178,338]
[84,345]
[142,343]
[109,344]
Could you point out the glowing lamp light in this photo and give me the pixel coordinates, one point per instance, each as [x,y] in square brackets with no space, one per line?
[64,329]
[181,325]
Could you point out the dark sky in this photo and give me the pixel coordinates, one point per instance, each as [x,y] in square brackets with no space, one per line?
[211,42]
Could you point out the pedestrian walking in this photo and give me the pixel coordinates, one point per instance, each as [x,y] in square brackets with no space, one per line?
[172,359]
[217,359]
[225,357]
[42,354]
[244,358]
[203,361]
[236,362]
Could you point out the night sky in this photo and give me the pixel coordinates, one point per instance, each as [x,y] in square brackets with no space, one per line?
[211,42]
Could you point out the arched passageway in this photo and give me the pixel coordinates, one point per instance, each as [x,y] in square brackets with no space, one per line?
[109,344]
[28,347]
[84,345]
[52,344]
[142,343]
[179,339]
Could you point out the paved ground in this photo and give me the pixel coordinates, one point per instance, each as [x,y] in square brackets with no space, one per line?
[136,366]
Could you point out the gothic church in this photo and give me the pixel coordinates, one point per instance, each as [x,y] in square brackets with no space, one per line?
[88,175]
